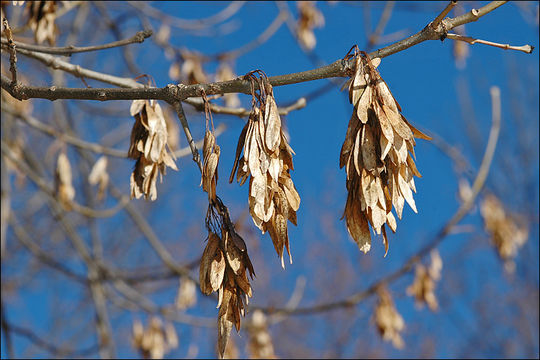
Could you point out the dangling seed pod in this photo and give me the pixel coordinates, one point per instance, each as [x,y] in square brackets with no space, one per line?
[376,154]
[224,267]
[273,199]
[148,146]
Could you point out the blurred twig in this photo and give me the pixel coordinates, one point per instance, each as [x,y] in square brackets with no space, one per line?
[52,349]
[191,24]
[376,35]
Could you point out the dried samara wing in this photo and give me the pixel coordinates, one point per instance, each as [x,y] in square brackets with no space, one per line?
[224,269]
[65,192]
[148,146]
[211,152]
[378,154]
[267,160]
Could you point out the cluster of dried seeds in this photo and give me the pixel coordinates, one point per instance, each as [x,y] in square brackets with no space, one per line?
[156,340]
[41,19]
[425,280]
[148,146]
[389,322]
[260,344]
[309,18]
[187,294]
[267,157]
[507,234]
[224,267]
[376,155]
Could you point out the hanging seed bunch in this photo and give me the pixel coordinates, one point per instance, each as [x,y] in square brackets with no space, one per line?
[388,320]
[260,344]
[273,198]
[211,152]
[149,147]
[508,232]
[224,266]
[156,340]
[376,155]
[41,19]
[425,281]
[309,17]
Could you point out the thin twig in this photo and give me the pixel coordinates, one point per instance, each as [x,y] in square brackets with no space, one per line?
[261,39]
[53,349]
[191,24]
[460,162]
[293,302]
[6,330]
[383,21]
[41,255]
[69,50]
[525,48]
[445,12]
[151,236]
[182,117]
[49,190]
[12,51]
[198,104]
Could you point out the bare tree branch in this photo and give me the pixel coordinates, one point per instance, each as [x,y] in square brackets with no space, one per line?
[182,117]
[69,50]
[172,93]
